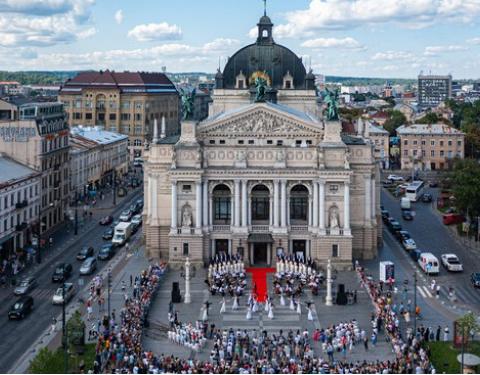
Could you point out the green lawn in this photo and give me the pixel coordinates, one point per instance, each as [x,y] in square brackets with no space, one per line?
[52,362]
[444,355]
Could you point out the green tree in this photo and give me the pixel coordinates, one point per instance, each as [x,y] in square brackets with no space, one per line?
[429,118]
[465,182]
[395,119]
[47,362]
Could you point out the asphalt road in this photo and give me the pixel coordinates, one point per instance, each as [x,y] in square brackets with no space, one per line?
[18,336]
[431,235]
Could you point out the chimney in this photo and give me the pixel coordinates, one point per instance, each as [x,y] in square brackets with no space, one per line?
[163,130]
[155,131]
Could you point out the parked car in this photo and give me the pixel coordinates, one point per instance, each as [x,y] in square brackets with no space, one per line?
[62,272]
[415,254]
[106,220]
[22,307]
[140,202]
[108,234]
[407,215]
[106,252]
[449,219]
[136,208]
[427,197]
[385,214]
[433,184]
[88,266]
[126,215]
[389,221]
[451,263]
[137,220]
[393,177]
[25,286]
[387,183]
[85,252]
[402,235]
[409,244]
[58,296]
[395,227]
[475,279]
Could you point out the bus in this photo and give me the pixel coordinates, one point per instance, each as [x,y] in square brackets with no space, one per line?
[414,190]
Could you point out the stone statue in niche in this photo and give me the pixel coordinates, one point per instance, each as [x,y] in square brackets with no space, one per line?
[241,156]
[333,217]
[346,160]
[321,159]
[186,215]
[174,159]
[280,157]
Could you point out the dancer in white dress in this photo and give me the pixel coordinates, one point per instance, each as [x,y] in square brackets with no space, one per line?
[270,312]
[235,303]
[205,314]
[249,313]
[255,306]
[267,304]
[282,300]
[299,308]
[292,304]
[310,313]
[224,306]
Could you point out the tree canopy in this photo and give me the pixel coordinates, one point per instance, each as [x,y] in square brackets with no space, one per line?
[395,119]
[465,181]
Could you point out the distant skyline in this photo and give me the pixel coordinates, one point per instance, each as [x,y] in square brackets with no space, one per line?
[368,38]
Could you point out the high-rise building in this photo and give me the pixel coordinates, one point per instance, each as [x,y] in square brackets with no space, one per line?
[433,90]
[122,102]
[39,140]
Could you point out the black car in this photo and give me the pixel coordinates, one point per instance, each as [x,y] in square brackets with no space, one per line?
[394,226]
[389,222]
[415,254]
[139,202]
[385,214]
[22,307]
[107,220]
[62,272]
[475,279]
[427,198]
[407,215]
[106,252]
[402,235]
[85,252]
[108,234]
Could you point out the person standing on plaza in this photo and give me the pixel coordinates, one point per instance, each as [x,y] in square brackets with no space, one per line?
[446,331]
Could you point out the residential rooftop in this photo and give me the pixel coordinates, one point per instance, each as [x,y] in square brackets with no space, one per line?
[97,134]
[13,171]
[428,129]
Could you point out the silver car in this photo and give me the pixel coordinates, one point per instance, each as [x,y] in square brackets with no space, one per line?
[58,296]
[25,286]
[88,266]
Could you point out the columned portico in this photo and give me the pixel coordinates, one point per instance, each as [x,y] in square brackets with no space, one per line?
[244,204]
[174,205]
[315,204]
[205,204]
[276,206]
[283,208]
[368,199]
[346,208]
[322,207]
[198,205]
[236,222]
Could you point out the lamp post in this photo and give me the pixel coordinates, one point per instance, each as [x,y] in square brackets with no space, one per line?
[415,303]
[114,187]
[64,325]
[328,299]
[109,284]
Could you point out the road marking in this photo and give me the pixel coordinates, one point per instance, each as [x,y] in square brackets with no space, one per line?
[420,290]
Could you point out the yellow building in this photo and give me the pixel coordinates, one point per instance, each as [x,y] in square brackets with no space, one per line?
[122,102]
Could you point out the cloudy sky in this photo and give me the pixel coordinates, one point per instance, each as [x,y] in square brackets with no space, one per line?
[375,38]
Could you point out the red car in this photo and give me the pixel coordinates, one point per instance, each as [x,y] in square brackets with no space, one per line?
[107,220]
[453,219]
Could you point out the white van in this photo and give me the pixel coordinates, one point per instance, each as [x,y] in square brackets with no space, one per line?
[405,204]
[122,233]
[429,263]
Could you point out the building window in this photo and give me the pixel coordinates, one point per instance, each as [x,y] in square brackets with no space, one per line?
[222,141]
[405,142]
[240,84]
[241,142]
[77,115]
[442,153]
[432,153]
[88,116]
[279,142]
[449,143]
[222,208]
[335,251]
[212,141]
[423,152]
[187,188]
[459,143]
[441,143]
[414,152]
[298,142]
[138,117]
[251,141]
[405,152]
[260,208]
[269,142]
[432,143]
[309,142]
[414,142]
[125,116]
[185,249]
[112,116]
[125,105]
[288,84]
[423,143]
[299,203]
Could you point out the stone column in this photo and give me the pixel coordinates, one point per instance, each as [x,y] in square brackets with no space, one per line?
[346,206]
[315,204]
[174,205]
[198,205]
[322,205]
[236,222]
[368,199]
[329,299]
[210,209]
[205,203]
[373,199]
[283,208]
[310,211]
[244,203]
[187,298]
[276,212]
[270,210]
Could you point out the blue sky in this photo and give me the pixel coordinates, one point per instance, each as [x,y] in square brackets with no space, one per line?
[376,38]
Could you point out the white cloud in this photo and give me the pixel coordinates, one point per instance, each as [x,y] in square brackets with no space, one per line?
[44,22]
[344,43]
[393,55]
[220,45]
[344,14]
[119,16]
[473,41]
[155,31]
[436,50]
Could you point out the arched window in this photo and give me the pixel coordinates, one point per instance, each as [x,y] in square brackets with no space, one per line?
[222,212]
[299,204]
[260,203]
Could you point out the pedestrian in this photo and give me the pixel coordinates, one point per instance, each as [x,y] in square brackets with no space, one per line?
[437,336]
[438,291]
[374,339]
[330,352]
[131,280]
[53,326]
[446,331]
[124,285]
[114,314]
[89,310]
[365,343]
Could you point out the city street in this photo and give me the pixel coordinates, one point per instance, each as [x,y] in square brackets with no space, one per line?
[18,336]
[431,235]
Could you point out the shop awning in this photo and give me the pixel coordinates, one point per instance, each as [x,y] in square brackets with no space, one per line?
[260,238]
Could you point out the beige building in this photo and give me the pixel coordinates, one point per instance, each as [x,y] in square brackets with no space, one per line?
[430,147]
[262,177]
[39,139]
[95,156]
[378,136]
[122,102]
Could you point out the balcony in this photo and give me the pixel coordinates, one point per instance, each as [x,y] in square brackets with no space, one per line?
[260,229]
[299,228]
[21,204]
[334,232]
[20,227]
[221,228]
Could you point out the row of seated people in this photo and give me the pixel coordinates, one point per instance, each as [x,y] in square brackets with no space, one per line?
[226,276]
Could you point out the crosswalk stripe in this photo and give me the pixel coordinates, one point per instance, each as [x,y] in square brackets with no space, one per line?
[420,290]
[427,292]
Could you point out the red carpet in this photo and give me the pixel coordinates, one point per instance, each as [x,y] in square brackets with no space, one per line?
[259,281]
